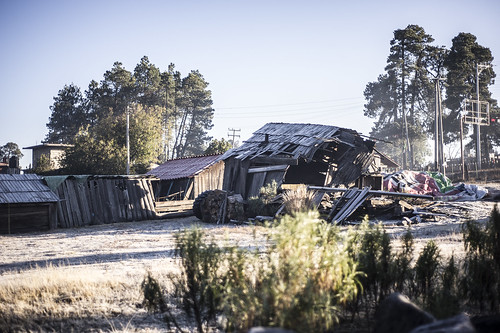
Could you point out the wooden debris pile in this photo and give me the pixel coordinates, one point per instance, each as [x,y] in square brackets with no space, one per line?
[219,206]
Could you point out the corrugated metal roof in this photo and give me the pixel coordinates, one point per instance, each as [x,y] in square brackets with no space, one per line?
[183,167]
[27,188]
[292,140]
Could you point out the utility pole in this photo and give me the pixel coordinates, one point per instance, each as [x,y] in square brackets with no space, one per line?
[128,141]
[438,128]
[233,135]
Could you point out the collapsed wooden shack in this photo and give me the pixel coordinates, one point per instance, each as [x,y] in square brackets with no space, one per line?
[26,204]
[86,200]
[182,180]
[311,154]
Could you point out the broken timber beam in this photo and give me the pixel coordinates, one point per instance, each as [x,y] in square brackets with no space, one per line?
[374,192]
[353,200]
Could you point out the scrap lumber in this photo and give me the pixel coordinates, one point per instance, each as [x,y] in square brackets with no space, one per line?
[374,192]
[347,204]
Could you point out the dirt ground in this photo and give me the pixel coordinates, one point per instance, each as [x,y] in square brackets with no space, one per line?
[132,248]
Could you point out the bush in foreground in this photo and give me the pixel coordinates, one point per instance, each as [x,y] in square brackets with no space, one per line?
[300,281]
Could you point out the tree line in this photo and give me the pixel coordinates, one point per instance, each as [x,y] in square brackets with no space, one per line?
[169,117]
[402,100]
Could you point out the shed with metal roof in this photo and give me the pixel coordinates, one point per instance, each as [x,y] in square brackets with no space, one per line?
[26,204]
[185,178]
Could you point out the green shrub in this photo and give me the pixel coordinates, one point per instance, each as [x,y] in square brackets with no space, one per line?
[480,282]
[299,283]
[370,246]
[402,270]
[262,205]
[445,302]
[153,295]
[426,270]
[197,289]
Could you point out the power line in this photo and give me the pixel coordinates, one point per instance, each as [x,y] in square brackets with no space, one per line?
[293,112]
[289,104]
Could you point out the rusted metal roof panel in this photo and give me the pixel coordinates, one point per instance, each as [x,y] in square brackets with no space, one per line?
[28,188]
[183,167]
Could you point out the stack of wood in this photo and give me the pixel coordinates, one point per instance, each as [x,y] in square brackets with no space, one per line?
[219,207]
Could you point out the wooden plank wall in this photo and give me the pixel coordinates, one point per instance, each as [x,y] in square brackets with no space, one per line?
[16,218]
[104,200]
[209,179]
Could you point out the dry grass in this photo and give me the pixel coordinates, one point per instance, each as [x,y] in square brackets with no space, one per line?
[67,299]
[298,200]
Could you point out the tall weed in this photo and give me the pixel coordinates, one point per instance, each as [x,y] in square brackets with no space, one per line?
[426,270]
[480,283]
[300,282]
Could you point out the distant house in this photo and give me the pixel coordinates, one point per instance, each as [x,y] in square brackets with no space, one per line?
[26,204]
[53,151]
[186,178]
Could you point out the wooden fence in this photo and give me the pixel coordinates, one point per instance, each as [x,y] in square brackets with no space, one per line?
[174,208]
[104,199]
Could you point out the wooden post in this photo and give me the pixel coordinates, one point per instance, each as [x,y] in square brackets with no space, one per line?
[8,218]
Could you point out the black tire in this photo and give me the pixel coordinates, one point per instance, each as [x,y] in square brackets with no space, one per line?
[198,204]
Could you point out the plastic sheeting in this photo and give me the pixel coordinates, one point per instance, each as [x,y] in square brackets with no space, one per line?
[432,183]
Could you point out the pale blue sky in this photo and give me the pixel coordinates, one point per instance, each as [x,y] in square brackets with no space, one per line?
[281,61]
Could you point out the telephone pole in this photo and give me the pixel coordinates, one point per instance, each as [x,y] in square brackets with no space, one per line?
[128,140]
[233,135]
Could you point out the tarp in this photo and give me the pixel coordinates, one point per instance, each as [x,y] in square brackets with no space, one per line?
[432,183]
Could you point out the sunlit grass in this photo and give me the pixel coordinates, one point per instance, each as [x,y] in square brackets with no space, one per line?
[55,297]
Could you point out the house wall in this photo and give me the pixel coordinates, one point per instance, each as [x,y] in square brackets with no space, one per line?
[54,155]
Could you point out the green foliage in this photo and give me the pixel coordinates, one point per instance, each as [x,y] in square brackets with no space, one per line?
[445,301]
[153,295]
[43,165]
[69,114]
[197,288]
[262,205]
[10,149]
[182,115]
[300,282]
[370,247]
[426,270]
[218,146]
[480,283]
[407,84]
[402,268]
[310,273]
[101,149]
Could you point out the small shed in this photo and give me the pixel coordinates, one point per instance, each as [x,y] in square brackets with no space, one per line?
[185,178]
[26,204]
[292,153]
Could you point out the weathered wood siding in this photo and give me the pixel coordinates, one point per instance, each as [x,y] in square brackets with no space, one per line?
[209,179]
[26,217]
[104,200]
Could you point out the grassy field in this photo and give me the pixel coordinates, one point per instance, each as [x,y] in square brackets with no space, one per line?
[88,279]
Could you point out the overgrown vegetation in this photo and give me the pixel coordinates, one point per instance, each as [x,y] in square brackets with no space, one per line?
[263,203]
[299,282]
[312,275]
